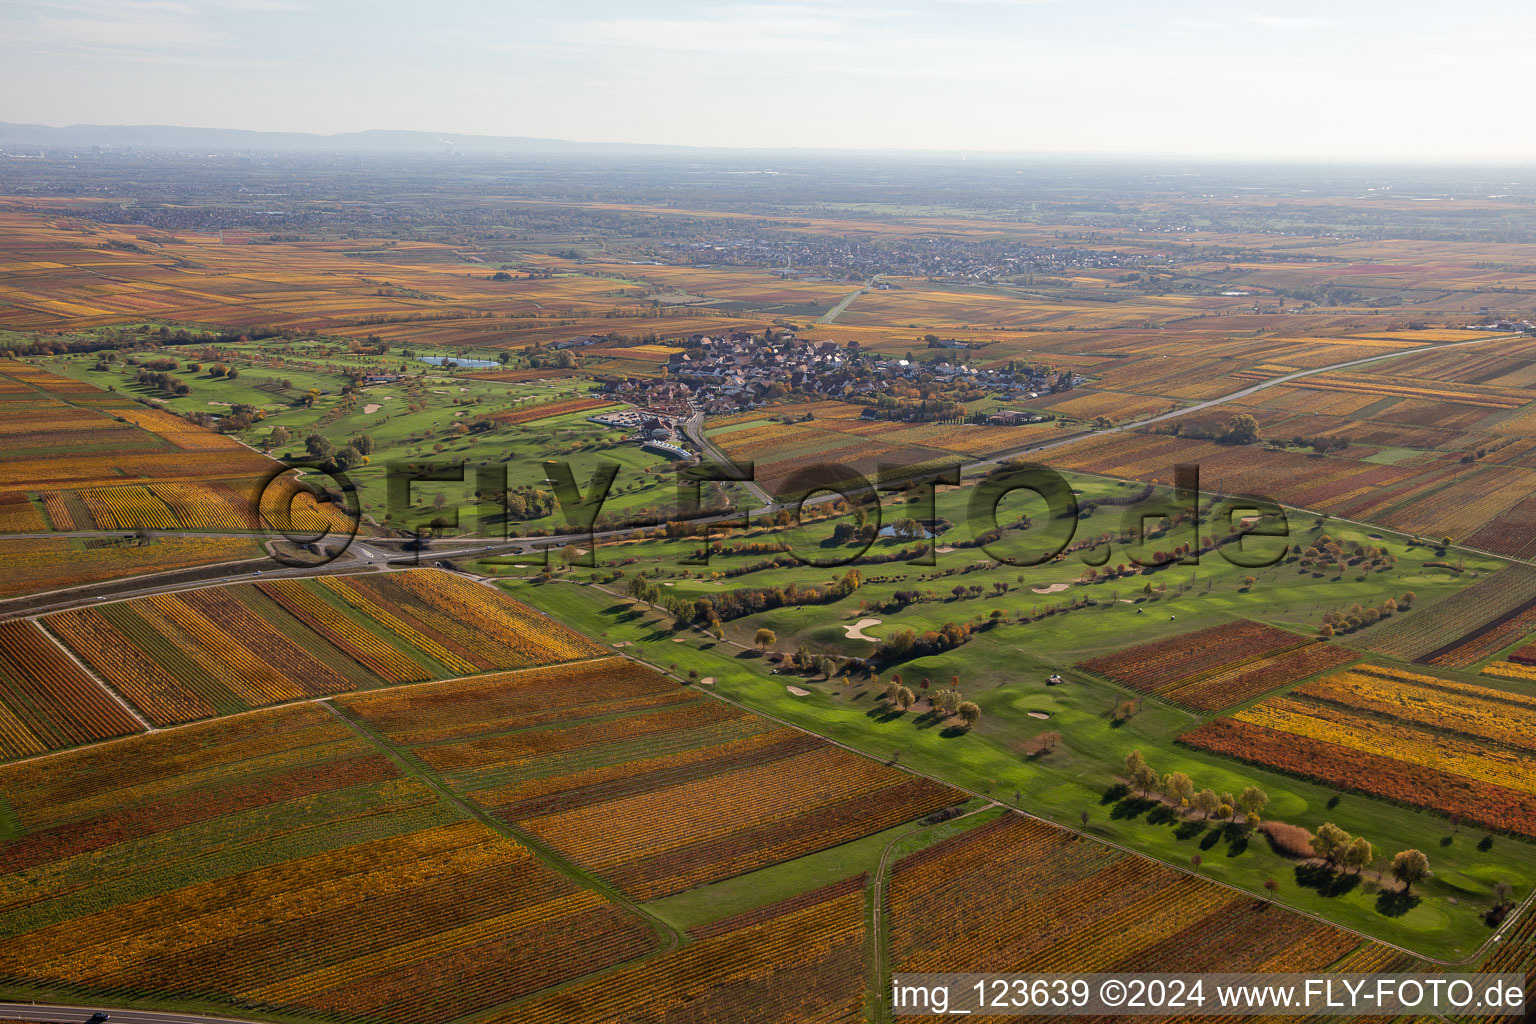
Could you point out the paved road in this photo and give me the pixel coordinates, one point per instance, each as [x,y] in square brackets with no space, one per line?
[693,426]
[357,558]
[836,311]
[79,1014]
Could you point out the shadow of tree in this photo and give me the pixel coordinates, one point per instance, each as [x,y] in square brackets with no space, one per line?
[1188,830]
[954,731]
[1324,880]
[1162,814]
[884,714]
[1237,839]
[1210,839]
[1395,902]
[1114,794]
[1133,807]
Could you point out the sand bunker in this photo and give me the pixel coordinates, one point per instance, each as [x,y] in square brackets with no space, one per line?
[944,550]
[708,680]
[624,643]
[797,691]
[1038,714]
[1054,588]
[856,631]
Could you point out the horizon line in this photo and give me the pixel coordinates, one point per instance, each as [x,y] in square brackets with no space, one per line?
[452,137]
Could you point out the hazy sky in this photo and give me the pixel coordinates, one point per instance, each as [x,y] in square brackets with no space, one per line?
[1383,79]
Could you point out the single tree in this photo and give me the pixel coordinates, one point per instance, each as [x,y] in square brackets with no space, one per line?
[1145,778]
[765,638]
[1331,843]
[1178,786]
[1359,854]
[1408,867]
[1241,429]
[969,712]
[1206,802]
[1252,800]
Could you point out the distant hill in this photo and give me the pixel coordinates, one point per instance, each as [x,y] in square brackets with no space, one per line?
[156,136]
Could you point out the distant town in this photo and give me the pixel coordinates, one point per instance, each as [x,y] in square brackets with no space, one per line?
[737,371]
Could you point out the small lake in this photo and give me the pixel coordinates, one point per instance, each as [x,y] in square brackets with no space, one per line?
[468,364]
[890,531]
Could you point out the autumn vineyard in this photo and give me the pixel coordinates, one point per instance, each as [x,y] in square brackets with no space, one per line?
[583,586]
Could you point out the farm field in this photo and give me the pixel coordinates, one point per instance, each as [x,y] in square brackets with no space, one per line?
[46,701]
[1452,747]
[1061,903]
[278,861]
[639,781]
[1429,455]
[1466,627]
[48,563]
[1219,666]
[802,960]
[70,448]
[221,650]
[303,287]
[838,436]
